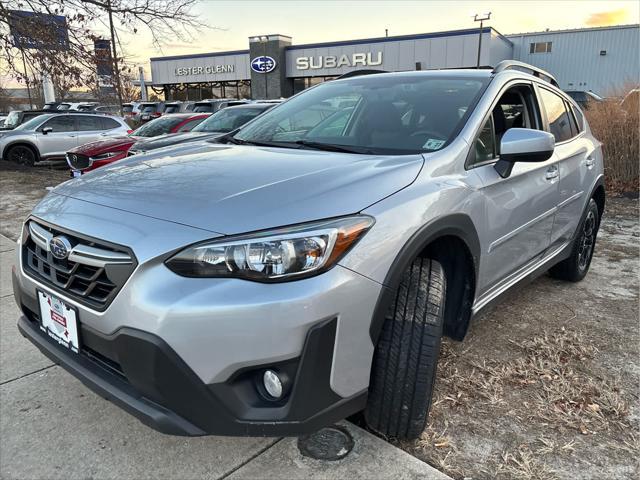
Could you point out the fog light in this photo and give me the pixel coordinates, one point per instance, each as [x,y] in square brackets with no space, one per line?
[272,384]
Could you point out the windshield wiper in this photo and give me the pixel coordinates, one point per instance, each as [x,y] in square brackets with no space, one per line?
[333,147]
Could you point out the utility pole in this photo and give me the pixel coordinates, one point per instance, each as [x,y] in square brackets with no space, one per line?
[480,18]
[26,78]
[114,58]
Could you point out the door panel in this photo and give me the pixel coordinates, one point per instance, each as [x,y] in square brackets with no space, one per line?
[576,162]
[519,216]
[90,129]
[57,142]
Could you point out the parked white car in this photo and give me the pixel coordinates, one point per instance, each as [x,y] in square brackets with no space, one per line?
[50,136]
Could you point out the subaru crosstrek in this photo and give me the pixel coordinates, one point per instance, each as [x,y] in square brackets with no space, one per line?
[305,267]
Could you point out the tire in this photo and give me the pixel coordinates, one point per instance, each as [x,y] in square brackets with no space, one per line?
[405,359]
[574,268]
[22,154]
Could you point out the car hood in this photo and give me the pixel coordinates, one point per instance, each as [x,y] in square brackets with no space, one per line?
[229,189]
[172,139]
[105,145]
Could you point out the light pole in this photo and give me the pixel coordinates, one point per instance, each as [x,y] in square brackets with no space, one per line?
[480,17]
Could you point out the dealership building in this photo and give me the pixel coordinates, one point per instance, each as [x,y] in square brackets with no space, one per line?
[603,60]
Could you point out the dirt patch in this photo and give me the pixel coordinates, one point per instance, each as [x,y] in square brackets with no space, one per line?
[21,188]
[546,383]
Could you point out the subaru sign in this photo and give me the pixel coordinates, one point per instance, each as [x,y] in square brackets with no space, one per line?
[263,64]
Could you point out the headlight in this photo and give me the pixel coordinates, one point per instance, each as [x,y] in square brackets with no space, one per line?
[274,255]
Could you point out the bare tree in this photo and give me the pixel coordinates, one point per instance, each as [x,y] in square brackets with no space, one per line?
[75,60]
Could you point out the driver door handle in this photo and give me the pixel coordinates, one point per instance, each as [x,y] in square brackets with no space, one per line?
[551,173]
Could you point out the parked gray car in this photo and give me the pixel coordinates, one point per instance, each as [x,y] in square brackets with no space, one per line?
[50,136]
[307,267]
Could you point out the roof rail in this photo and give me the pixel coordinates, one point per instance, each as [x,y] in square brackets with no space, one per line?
[535,71]
[357,73]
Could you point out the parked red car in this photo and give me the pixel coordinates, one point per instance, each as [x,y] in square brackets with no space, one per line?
[97,154]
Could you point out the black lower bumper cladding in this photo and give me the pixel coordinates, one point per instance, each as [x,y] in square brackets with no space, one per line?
[140,373]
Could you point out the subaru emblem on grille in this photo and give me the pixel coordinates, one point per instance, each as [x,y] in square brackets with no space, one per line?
[60,247]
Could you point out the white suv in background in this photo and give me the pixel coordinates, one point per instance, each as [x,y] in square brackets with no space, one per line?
[51,135]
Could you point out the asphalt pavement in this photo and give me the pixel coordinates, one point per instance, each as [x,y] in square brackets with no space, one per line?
[52,426]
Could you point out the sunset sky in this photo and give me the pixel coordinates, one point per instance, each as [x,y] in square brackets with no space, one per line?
[232,22]
[318,21]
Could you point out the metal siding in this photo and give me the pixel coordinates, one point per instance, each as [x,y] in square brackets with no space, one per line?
[454,51]
[576,62]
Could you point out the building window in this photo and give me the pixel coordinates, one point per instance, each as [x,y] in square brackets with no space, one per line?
[540,47]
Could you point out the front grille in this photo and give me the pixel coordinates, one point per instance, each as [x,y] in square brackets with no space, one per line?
[77,161]
[92,273]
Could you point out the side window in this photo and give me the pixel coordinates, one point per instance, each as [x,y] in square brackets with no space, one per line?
[88,123]
[108,123]
[572,120]
[514,109]
[559,123]
[62,123]
[579,118]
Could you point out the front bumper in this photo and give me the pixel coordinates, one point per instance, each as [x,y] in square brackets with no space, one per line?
[159,389]
[186,355]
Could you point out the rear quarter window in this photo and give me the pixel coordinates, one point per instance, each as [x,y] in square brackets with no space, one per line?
[109,123]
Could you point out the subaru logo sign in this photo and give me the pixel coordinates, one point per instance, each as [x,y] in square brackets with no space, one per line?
[263,64]
[60,247]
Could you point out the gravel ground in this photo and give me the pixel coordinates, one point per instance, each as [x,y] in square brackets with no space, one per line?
[546,384]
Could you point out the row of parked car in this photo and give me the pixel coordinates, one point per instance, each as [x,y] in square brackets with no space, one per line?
[88,141]
[146,111]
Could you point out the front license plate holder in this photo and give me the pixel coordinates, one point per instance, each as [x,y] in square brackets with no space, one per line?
[59,320]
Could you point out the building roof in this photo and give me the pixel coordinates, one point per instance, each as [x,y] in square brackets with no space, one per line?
[575,30]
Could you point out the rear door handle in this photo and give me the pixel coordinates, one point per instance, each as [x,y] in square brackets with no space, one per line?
[551,173]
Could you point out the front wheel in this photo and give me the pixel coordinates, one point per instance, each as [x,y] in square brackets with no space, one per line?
[405,359]
[22,155]
[574,268]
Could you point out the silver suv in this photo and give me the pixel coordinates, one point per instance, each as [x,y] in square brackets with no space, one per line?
[306,267]
[52,135]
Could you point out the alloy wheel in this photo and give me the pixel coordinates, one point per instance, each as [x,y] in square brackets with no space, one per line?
[587,239]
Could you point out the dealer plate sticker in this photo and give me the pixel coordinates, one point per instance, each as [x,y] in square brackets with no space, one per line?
[58,320]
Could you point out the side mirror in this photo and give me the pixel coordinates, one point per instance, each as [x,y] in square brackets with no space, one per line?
[523,145]
[46,130]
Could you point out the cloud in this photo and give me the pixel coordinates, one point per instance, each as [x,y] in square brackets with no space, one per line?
[612,17]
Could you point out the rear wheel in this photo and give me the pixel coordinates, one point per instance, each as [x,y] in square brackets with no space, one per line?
[404,363]
[22,154]
[574,268]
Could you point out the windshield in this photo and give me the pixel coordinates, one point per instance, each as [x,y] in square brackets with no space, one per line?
[156,127]
[33,123]
[171,109]
[148,109]
[228,119]
[379,114]
[127,108]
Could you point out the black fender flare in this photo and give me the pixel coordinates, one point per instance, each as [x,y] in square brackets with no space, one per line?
[20,142]
[458,225]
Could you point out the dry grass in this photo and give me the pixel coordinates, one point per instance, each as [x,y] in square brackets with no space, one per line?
[544,385]
[618,127]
